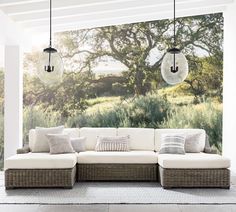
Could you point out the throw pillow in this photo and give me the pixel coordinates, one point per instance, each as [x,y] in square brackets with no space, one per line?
[112,143]
[193,143]
[78,144]
[172,144]
[59,144]
[41,141]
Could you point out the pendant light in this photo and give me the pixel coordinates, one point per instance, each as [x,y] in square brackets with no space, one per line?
[174,67]
[50,67]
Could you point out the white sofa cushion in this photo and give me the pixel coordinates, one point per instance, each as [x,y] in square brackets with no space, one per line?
[132,157]
[160,132]
[41,161]
[73,132]
[140,138]
[41,140]
[91,134]
[193,161]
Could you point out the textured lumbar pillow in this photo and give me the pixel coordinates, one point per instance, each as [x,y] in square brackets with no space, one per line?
[59,143]
[193,143]
[78,144]
[41,141]
[112,143]
[172,144]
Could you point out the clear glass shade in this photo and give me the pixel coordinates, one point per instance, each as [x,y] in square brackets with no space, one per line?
[174,74]
[50,68]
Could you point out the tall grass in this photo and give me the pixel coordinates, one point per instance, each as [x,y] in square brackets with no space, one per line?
[205,116]
[36,117]
[145,111]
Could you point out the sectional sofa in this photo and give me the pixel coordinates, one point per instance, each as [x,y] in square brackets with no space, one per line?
[142,163]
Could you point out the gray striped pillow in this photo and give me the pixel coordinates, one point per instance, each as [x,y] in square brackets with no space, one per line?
[112,143]
[172,144]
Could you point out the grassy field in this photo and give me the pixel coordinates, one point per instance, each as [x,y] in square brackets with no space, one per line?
[102,103]
[170,93]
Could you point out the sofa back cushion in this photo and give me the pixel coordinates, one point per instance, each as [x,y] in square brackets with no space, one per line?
[72,132]
[140,138]
[41,140]
[91,134]
[160,132]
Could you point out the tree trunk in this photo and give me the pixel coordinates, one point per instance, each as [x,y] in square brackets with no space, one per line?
[139,83]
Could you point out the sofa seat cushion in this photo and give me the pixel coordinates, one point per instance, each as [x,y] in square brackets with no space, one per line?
[41,161]
[131,157]
[193,161]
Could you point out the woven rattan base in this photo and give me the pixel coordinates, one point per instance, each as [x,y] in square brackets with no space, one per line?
[40,178]
[116,172]
[201,178]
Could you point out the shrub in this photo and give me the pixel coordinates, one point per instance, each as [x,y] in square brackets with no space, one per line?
[205,116]
[35,116]
[144,111]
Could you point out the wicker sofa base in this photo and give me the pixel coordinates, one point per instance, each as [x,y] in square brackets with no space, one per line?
[116,172]
[40,178]
[201,178]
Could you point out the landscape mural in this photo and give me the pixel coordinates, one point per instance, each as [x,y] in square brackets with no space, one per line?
[112,79]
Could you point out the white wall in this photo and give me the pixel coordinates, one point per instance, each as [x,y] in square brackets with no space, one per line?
[229,93]
[13,99]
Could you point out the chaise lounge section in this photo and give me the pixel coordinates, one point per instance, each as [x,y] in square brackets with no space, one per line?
[142,163]
[191,169]
[41,170]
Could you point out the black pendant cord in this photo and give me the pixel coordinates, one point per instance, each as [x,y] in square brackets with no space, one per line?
[174,26]
[50,36]
[174,35]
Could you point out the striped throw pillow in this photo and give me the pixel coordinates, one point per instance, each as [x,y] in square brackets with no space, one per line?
[112,143]
[172,144]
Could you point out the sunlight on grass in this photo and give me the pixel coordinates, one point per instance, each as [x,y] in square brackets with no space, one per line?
[101,104]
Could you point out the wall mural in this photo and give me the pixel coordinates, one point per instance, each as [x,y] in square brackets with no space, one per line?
[112,78]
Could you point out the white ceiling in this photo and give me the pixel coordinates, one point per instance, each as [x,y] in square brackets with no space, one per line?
[32,15]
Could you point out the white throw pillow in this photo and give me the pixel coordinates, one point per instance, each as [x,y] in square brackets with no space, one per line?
[112,143]
[78,144]
[193,143]
[41,141]
[59,144]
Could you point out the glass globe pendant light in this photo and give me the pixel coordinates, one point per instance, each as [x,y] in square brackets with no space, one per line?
[174,67]
[50,66]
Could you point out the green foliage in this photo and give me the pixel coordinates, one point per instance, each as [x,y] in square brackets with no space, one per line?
[68,98]
[205,78]
[36,117]
[134,45]
[205,116]
[144,111]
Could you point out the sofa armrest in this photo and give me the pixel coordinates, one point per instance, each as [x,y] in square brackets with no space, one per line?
[23,150]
